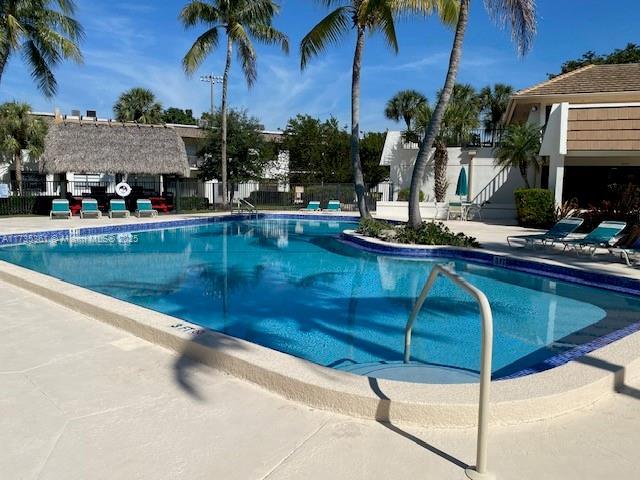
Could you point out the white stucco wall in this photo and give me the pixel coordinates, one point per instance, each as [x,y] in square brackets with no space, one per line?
[487,181]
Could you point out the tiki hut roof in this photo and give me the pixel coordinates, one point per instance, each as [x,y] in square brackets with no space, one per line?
[110,147]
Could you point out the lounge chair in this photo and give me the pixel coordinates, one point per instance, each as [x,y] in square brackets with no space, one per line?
[557,233]
[313,206]
[145,209]
[334,206]
[60,208]
[600,237]
[630,254]
[90,208]
[118,208]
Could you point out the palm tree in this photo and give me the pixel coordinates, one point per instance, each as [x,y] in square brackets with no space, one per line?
[20,132]
[242,21]
[494,104]
[365,17]
[458,122]
[138,105]
[520,14]
[519,148]
[43,34]
[404,105]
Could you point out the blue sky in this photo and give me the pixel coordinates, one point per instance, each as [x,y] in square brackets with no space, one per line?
[141,44]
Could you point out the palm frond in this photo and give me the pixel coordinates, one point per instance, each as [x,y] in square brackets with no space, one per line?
[385,23]
[520,15]
[197,11]
[328,31]
[270,36]
[246,53]
[203,45]
[40,71]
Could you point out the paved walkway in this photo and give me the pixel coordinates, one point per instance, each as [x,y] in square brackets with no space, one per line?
[82,400]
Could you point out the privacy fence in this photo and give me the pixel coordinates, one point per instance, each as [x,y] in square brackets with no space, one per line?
[186,195]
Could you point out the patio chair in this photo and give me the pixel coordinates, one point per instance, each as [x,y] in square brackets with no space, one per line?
[118,208]
[60,208]
[455,209]
[90,208]
[600,237]
[557,233]
[145,209]
[334,206]
[313,206]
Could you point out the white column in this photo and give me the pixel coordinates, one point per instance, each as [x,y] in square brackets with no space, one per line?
[556,177]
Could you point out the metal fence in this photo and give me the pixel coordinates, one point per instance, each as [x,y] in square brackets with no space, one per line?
[186,194]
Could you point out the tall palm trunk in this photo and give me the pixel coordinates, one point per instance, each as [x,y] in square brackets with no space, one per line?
[223,141]
[358,177]
[4,57]
[434,125]
[440,160]
[17,161]
[524,170]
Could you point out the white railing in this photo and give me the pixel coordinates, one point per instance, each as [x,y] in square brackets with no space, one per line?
[479,472]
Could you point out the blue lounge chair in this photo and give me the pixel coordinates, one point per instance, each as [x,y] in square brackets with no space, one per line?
[117,208]
[334,206]
[557,233]
[90,208]
[631,254]
[145,209]
[600,237]
[60,208]
[313,206]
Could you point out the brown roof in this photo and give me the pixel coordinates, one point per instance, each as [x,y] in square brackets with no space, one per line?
[590,79]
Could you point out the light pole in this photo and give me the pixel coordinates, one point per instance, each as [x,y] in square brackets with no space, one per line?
[212,79]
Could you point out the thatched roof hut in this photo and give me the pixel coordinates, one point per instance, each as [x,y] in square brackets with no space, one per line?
[111,147]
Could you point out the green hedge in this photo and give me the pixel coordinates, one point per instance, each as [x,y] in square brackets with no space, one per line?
[26,205]
[324,193]
[265,197]
[193,203]
[535,206]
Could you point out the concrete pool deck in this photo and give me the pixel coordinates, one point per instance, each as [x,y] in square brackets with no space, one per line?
[80,399]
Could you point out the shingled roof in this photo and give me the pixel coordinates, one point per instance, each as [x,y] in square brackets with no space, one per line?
[590,79]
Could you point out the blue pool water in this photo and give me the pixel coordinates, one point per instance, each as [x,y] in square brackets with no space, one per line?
[293,286]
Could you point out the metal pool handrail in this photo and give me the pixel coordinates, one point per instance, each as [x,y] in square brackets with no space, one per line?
[480,471]
[242,202]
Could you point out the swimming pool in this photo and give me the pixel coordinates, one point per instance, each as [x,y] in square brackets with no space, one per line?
[293,286]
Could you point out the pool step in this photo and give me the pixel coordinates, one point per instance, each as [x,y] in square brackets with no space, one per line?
[412,372]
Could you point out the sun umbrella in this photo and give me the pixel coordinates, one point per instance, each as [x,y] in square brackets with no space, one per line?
[462,189]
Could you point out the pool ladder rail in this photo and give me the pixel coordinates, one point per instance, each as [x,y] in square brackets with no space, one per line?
[480,471]
[245,206]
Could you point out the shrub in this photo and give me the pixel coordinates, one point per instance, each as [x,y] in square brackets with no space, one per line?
[265,197]
[18,205]
[373,228]
[403,195]
[193,203]
[535,207]
[429,233]
[434,233]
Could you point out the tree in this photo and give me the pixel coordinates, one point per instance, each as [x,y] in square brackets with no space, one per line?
[494,103]
[138,105]
[519,148]
[179,116]
[318,151]
[249,154]
[520,14]
[371,145]
[628,54]
[242,21]
[20,132]
[404,105]
[365,17]
[458,122]
[44,32]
